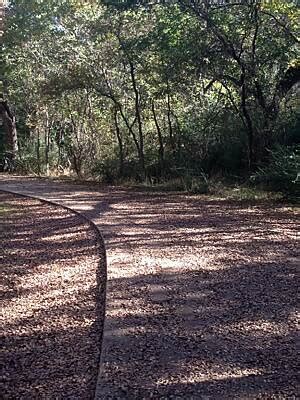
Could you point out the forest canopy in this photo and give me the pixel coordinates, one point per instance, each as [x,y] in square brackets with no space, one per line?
[152,90]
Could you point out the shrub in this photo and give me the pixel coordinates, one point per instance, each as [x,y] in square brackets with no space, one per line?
[106,171]
[196,184]
[282,171]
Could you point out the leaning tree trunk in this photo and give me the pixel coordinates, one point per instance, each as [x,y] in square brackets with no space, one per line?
[9,123]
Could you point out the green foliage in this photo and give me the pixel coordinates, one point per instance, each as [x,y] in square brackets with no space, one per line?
[282,173]
[106,171]
[196,184]
[27,165]
[151,92]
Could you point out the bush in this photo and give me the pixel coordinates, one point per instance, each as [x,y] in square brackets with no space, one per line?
[196,184]
[282,171]
[105,171]
[27,165]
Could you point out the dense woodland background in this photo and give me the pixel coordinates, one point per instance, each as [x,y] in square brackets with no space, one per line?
[182,92]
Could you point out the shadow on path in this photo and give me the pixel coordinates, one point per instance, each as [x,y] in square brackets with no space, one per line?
[201,293]
[52,302]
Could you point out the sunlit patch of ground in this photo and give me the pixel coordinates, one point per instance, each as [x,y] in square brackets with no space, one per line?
[202,293]
[52,312]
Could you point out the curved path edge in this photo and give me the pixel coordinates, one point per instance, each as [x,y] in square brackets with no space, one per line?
[102,264]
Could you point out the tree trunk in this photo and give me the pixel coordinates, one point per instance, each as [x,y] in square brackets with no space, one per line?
[171,133]
[248,122]
[38,151]
[139,119]
[120,143]
[9,123]
[161,150]
[47,144]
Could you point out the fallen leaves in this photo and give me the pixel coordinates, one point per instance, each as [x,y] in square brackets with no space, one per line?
[52,315]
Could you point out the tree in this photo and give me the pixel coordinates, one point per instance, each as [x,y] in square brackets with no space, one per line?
[6,114]
[132,90]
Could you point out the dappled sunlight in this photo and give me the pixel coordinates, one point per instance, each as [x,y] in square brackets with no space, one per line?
[61,237]
[41,291]
[201,293]
[52,308]
[194,376]
[261,329]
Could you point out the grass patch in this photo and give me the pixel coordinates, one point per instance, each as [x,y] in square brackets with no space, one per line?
[213,189]
[192,185]
[244,193]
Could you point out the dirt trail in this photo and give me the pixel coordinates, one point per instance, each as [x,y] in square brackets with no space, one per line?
[201,300]
[52,284]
